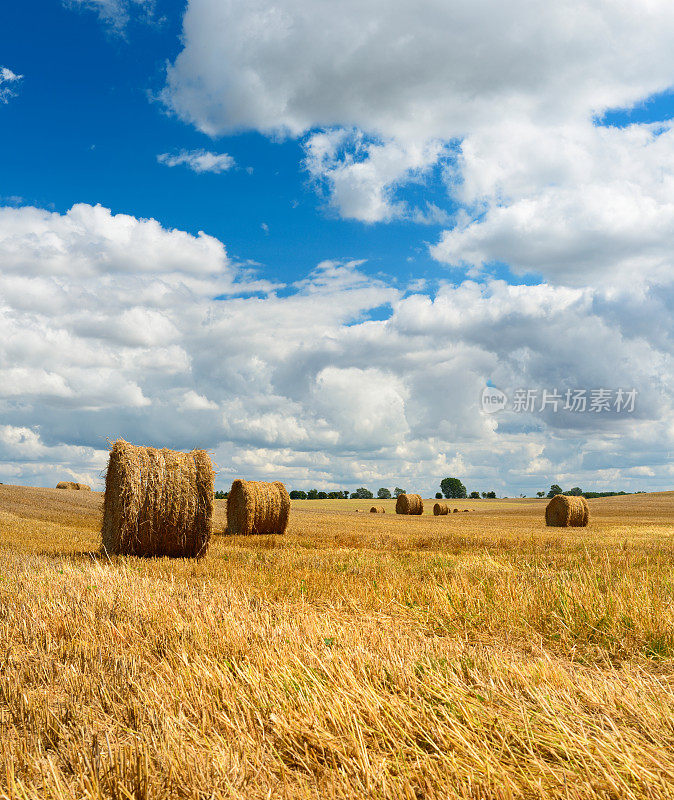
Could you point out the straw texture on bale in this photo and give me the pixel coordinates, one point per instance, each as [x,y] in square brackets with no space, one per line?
[409,504]
[257,507]
[377,510]
[567,512]
[157,502]
[440,509]
[83,487]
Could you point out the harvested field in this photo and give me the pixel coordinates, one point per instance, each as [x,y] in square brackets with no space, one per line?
[483,655]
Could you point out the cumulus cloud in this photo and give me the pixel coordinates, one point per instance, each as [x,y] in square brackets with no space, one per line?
[302,384]
[8,84]
[416,70]
[198,160]
[382,95]
[361,176]
[578,204]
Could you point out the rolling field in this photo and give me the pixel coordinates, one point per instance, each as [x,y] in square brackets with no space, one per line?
[477,655]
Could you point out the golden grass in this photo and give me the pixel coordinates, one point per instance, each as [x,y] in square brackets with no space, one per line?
[473,655]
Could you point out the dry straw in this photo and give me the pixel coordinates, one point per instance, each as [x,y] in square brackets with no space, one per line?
[409,504]
[377,510]
[257,507]
[440,509]
[157,502]
[567,512]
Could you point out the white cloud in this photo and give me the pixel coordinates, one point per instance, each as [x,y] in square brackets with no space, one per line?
[198,160]
[579,204]
[384,93]
[361,176]
[90,241]
[115,13]
[419,70]
[302,385]
[8,84]
[191,401]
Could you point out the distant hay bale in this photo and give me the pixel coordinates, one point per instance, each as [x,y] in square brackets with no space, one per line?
[564,511]
[456,510]
[157,502]
[377,510]
[72,485]
[440,509]
[257,507]
[409,504]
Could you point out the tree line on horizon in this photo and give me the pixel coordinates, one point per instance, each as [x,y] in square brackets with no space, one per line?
[451,489]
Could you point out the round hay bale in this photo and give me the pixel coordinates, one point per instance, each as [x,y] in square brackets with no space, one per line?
[66,485]
[257,507]
[567,512]
[409,504]
[83,487]
[440,509]
[456,511]
[377,510]
[157,502]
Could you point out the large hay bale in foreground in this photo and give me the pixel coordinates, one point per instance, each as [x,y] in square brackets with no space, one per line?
[377,510]
[440,509]
[567,512]
[257,507]
[409,504]
[157,502]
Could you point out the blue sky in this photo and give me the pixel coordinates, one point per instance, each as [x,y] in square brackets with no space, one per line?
[89,132]
[411,203]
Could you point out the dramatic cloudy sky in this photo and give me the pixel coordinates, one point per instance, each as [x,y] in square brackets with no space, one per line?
[307,234]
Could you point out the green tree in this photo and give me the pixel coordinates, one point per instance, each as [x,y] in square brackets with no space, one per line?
[438,495]
[362,494]
[490,495]
[474,495]
[298,494]
[540,494]
[312,494]
[452,488]
[575,492]
[554,489]
[398,491]
[384,494]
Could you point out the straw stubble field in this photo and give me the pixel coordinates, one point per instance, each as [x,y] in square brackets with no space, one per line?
[476,655]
